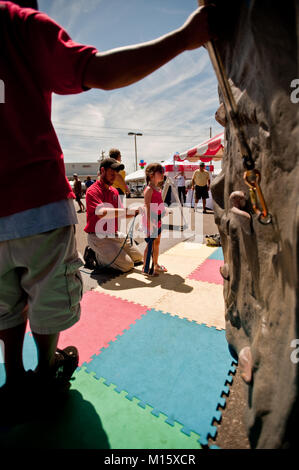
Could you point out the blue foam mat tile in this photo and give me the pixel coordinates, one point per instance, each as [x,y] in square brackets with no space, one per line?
[222,402]
[217,415]
[217,254]
[29,357]
[229,379]
[177,367]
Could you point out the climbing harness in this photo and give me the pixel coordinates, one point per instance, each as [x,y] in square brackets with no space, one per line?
[252,177]
[149,256]
[150,252]
[129,235]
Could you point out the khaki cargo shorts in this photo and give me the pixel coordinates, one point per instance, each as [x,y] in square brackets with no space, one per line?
[106,249]
[42,273]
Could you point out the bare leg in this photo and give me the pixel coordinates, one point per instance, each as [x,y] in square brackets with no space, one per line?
[13,339]
[156,247]
[204,205]
[46,348]
[144,256]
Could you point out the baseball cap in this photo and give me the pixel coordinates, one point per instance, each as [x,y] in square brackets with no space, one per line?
[111,163]
[75,174]
[201,164]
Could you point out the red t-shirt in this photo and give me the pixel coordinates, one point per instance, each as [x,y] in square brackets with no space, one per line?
[101,194]
[37,58]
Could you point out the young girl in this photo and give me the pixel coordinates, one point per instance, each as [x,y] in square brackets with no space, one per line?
[152,218]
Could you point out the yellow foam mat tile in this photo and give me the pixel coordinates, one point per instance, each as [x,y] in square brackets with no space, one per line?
[191,250]
[135,287]
[172,292]
[179,265]
[203,304]
[183,261]
[180,261]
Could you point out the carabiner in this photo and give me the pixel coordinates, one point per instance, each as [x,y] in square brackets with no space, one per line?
[252,178]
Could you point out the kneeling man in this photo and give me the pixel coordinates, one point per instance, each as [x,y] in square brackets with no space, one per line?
[104,210]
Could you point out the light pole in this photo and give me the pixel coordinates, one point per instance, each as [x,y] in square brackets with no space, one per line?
[134,134]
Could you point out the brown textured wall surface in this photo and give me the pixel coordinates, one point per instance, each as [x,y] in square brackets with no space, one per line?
[260,54]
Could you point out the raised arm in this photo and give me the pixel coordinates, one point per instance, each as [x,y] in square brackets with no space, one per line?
[121,67]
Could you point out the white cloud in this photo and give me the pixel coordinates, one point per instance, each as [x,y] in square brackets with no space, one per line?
[176,102]
[173,108]
[69,13]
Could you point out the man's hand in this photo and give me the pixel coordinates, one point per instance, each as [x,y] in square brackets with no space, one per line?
[200,27]
[133,211]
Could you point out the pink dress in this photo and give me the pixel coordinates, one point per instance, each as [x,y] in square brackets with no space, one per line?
[157,210]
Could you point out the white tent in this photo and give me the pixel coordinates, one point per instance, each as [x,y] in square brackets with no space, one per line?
[138,175]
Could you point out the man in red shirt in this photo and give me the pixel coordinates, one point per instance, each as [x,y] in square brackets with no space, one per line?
[39,277]
[104,212]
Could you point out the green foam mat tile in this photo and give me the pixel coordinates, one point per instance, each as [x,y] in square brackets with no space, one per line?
[126,424]
[95,416]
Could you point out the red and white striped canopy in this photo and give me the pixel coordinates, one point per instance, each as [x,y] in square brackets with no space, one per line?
[211,149]
[184,165]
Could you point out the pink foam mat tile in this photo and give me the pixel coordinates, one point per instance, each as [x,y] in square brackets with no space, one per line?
[208,271]
[103,318]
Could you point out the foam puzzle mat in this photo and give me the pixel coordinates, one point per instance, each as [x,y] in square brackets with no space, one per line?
[155,367]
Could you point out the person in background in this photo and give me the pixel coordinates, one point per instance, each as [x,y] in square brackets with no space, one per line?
[201,183]
[189,194]
[181,187]
[168,195]
[88,182]
[119,182]
[78,192]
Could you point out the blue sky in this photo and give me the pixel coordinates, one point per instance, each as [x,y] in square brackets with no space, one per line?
[173,107]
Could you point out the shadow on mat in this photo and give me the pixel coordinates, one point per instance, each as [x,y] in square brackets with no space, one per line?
[70,424]
[101,275]
[171,282]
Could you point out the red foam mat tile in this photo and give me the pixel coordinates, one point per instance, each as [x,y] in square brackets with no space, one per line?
[208,271]
[103,317]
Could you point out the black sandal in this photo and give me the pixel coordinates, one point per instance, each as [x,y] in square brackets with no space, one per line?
[66,362]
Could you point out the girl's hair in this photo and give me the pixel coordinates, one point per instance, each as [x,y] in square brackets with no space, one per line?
[151,169]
